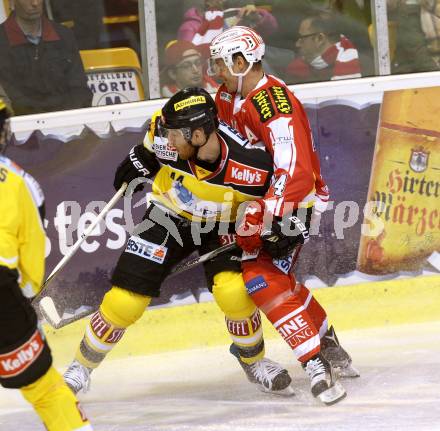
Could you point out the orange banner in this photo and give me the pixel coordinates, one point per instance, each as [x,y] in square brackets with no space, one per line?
[405,183]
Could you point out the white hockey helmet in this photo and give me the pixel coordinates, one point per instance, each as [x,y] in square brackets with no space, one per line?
[238,39]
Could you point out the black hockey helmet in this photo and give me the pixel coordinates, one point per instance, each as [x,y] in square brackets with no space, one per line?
[5,129]
[190,108]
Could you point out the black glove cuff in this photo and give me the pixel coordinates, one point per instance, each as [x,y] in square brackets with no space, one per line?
[287,233]
[139,163]
[144,161]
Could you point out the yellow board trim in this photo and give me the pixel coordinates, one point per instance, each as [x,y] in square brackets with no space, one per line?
[358,306]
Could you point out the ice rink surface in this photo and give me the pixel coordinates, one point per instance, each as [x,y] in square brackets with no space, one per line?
[205,390]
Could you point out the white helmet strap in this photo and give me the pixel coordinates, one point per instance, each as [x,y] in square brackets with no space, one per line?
[230,63]
[240,84]
[240,75]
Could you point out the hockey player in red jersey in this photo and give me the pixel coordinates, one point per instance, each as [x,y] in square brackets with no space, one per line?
[264,110]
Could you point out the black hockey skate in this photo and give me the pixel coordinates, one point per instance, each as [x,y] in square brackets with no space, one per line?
[323,382]
[268,375]
[336,355]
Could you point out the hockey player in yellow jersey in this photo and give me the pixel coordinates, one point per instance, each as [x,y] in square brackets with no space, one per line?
[202,171]
[25,357]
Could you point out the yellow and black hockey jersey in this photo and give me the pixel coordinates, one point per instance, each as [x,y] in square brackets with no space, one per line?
[189,189]
[22,238]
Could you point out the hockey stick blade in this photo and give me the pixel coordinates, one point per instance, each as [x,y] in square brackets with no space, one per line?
[50,313]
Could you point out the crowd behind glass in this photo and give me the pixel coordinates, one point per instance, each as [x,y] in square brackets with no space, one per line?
[307,41]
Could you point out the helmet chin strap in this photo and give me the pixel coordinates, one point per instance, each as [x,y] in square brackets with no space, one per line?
[239,84]
[240,75]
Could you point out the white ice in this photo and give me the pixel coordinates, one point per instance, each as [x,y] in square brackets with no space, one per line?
[205,390]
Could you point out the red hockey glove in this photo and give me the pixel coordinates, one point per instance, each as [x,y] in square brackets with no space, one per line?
[248,233]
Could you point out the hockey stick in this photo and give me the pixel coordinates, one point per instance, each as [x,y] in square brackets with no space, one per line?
[185,266]
[62,263]
[49,311]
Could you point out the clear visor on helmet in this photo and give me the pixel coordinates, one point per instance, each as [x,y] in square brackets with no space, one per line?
[216,65]
[167,133]
[213,67]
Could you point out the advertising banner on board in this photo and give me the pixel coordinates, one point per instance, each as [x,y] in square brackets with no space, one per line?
[382,217]
[405,182]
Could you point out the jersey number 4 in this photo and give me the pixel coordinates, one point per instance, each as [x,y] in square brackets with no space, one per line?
[280,185]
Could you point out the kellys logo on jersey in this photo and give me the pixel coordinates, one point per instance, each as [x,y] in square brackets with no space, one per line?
[264,106]
[15,362]
[146,250]
[244,175]
[163,150]
[193,100]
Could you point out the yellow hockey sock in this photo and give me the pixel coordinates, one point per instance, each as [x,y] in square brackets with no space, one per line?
[119,309]
[243,320]
[55,403]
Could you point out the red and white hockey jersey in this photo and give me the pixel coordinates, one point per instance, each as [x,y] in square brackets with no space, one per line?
[272,116]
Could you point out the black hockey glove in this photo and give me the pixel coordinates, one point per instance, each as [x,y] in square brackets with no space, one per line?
[285,235]
[139,163]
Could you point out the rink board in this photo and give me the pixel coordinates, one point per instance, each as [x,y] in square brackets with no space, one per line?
[394,302]
[395,133]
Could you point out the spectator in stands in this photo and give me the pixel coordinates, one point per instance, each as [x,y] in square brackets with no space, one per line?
[412,54]
[430,21]
[288,15]
[86,17]
[353,21]
[202,24]
[41,69]
[184,68]
[359,11]
[323,53]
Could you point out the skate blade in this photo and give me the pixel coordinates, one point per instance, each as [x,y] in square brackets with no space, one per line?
[286,392]
[348,372]
[333,394]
